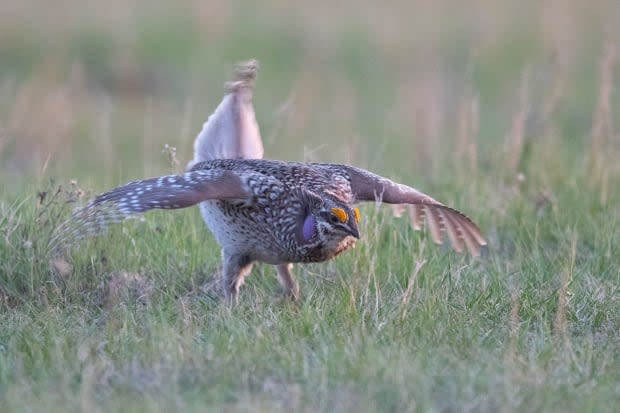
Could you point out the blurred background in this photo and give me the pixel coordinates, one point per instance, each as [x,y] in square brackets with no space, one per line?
[439,91]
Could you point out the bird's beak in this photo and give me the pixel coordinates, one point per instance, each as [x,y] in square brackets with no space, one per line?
[354,231]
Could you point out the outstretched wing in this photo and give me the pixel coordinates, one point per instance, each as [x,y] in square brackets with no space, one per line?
[164,192]
[231,131]
[462,232]
[173,191]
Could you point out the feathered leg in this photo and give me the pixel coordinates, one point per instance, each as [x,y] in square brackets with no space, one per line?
[236,267]
[291,288]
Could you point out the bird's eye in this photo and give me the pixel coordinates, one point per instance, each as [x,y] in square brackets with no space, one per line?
[334,219]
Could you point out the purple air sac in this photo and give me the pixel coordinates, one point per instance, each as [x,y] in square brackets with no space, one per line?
[309,228]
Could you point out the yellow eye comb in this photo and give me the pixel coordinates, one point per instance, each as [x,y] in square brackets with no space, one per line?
[356,215]
[340,214]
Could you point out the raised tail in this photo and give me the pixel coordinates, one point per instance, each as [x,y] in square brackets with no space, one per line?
[231,132]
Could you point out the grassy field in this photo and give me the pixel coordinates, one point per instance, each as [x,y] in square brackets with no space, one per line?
[505,110]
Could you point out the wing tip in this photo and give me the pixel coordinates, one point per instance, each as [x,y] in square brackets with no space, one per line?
[462,232]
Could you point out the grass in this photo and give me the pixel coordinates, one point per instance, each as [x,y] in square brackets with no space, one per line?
[509,118]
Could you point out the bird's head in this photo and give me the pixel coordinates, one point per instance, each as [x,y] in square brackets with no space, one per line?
[329,223]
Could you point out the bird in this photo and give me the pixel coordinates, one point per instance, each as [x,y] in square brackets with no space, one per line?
[270,211]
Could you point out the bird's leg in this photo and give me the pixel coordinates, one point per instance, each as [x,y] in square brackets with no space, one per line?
[291,288]
[236,267]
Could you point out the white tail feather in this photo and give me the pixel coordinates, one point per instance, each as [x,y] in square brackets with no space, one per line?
[231,132]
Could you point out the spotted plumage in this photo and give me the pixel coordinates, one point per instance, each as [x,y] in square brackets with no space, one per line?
[269,211]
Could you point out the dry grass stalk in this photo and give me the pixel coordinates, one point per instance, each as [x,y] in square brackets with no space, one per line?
[515,306]
[171,156]
[468,128]
[186,312]
[560,326]
[556,93]
[516,138]
[419,108]
[602,123]
[3,139]
[410,285]
[514,315]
